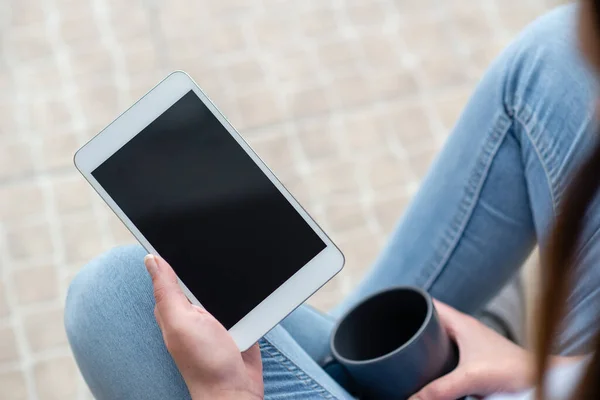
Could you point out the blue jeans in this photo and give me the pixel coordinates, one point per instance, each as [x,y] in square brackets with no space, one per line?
[489,198]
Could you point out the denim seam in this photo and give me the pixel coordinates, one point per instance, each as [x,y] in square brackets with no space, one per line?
[473,191]
[302,376]
[551,175]
[568,343]
[525,118]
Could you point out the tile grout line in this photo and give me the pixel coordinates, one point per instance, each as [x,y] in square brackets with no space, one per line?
[289,129]
[78,124]
[365,197]
[159,42]
[367,194]
[323,80]
[25,361]
[52,26]
[490,9]
[101,17]
[409,60]
[436,125]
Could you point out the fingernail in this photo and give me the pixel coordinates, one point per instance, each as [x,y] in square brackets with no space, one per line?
[414,398]
[151,265]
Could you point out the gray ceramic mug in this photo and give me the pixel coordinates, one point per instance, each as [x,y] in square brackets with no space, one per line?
[393,344]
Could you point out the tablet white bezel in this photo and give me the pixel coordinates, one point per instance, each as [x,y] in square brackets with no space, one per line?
[285,298]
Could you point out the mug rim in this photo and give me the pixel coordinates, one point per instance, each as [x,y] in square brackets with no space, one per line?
[408,343]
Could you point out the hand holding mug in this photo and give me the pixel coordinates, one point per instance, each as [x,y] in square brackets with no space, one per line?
[489,363]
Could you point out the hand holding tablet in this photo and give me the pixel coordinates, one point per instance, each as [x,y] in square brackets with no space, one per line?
[192,337]
[191,190]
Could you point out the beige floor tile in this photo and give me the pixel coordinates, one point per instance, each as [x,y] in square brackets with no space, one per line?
[337,180]
[58,150]
[8,345]
[72,193]
[272,34]
[81,235]
[363,132]
[412,126]
[16,159]
[296,69]
[246,72]
[130,22]
[4,310]
[450,106]
[316,139]
[342,54]
[360,252]
[344,217]
[259,109]
[392,84]
[100,104]
[31,240]
[28,45]
[36,284]
[25,14]
[79,27]
[367,14]
[388,171]
[388,211]
[471,24]
[92,63]
[320,22]
[51,116]
[140,56]
[275,151]
[13,386]
[43,76]
[443,68]
[299,188]
[56,379]
[226,39]
[8,122]
[119,232]
[44,330]
[21,201]
[351,91]
[309,102]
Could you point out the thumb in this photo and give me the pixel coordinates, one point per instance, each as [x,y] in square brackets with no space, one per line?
[170,300]
[453,386]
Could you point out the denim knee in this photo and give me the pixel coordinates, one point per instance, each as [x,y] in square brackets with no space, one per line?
[549,92]
[99,291]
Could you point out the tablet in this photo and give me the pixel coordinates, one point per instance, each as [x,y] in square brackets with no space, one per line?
[191,190]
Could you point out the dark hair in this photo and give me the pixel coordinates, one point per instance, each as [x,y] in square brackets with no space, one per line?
[559,267]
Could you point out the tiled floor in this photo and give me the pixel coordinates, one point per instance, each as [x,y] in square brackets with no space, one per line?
[347,100]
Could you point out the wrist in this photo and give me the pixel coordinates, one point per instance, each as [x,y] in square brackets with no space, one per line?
[557,361]
[223,394]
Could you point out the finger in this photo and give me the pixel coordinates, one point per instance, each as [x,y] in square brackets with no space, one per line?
[251,356]
[445,309]
[449,387]
[450,317]
[170,300]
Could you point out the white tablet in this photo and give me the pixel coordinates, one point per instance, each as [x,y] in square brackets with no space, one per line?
[191,190]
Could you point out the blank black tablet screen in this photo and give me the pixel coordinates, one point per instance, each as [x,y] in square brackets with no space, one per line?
[208,209]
